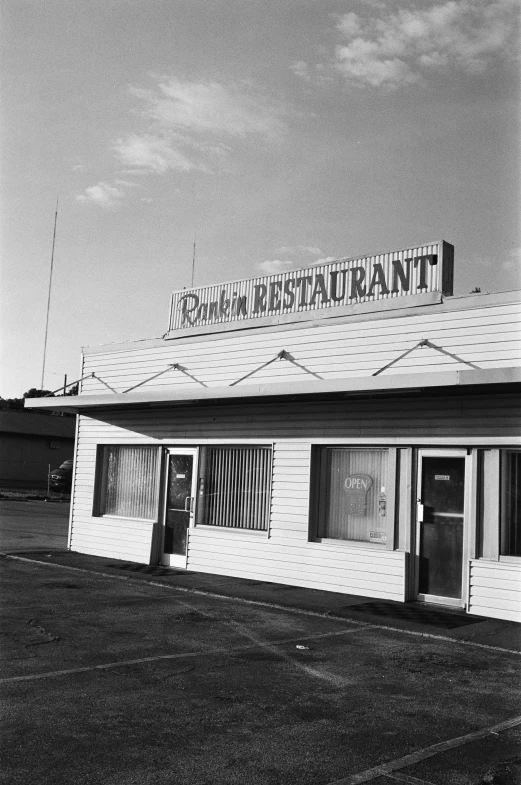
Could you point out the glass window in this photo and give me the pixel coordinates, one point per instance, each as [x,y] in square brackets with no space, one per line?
[352,494]
[511,507]
[128,484]
[234,487]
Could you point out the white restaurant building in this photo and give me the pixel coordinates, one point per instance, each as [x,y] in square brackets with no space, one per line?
[351,427]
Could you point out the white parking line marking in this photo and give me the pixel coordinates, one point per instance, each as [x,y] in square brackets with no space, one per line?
[427,752]
[406,778]
[158,658]
[274,606]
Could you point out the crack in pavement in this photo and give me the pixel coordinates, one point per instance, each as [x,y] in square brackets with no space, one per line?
[52,637]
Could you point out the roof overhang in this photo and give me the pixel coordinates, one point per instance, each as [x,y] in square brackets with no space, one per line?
[358,385]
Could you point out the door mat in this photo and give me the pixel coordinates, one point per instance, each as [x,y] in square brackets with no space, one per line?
[415,613]
[148,569]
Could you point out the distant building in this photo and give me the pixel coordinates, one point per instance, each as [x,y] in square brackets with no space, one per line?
[29,444]
[351,427]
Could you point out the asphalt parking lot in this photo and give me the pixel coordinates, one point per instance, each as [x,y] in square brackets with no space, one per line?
[33,525]
[113,679]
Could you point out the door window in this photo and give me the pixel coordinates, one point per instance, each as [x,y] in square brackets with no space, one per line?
[179,503]
[441,525]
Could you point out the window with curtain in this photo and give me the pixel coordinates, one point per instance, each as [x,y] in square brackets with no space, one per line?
[128,484]
[351,494]
[511,504]
[234,487]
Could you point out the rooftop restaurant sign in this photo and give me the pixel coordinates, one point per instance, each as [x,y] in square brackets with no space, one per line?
[366,279]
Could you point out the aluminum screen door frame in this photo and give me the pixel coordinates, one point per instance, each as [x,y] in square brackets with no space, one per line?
[458,602]
[178,559]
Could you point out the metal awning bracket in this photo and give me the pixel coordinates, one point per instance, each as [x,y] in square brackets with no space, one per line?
[282,355]
[420,345]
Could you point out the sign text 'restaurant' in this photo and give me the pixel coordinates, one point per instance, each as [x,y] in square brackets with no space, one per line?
[344,282]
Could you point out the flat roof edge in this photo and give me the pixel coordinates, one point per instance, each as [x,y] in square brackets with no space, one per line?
[357,384]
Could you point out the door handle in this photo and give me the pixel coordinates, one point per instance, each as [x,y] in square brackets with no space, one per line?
[189,501]
[419,512]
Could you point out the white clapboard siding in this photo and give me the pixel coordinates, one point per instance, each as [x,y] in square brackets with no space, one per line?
[112,537]
[291,472]
[287,557]
[449,325]
[344,366]
[340,338]
[495,589]
[124,539]
[486,336]
[299,564]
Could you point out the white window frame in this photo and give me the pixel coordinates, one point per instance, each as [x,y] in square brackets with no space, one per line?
[264,532]
[102,453]
[318,486]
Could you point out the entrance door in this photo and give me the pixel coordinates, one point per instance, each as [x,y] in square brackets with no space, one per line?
[441,510]
[179,504]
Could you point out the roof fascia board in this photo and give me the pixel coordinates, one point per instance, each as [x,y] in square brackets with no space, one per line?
[358,384]
[380,307]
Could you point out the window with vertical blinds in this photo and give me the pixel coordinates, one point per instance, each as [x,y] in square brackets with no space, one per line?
[234,487]
[128,484]
[351,494]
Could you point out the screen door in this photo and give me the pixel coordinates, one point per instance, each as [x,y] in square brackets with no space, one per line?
[179,504]
[441,511]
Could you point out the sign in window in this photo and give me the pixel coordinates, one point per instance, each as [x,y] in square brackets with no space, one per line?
[352,499]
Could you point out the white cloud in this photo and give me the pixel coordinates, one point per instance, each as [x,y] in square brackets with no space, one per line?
[275,266]
[153,154]
[126,183]
[193,125]
[283,265]
[235,110]
[326,259]
[349,25]
[394,49]
[513,262]
[102,194]
[190,126]
[312,249]
[286,249]
[302,69]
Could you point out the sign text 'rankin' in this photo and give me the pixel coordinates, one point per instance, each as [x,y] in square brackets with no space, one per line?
[311,289]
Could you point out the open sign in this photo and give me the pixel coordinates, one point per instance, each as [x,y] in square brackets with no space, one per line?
[358,482]
[356,487]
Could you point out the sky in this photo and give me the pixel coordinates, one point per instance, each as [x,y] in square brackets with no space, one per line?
[275,132]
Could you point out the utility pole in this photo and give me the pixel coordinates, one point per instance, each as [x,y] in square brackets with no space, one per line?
[49,294]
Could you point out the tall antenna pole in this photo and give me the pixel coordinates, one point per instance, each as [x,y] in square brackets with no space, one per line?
[193,266]
[49,294]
